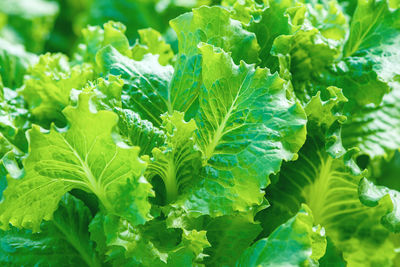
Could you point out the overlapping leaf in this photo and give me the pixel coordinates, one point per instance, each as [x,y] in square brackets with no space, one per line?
[149,245]
[247,127]
[294,243]
[85,157]
[151,42]
[214,26]
[145,82]
[48,86]
[63,241]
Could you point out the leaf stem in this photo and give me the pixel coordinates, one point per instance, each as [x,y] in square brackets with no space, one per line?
[171,186]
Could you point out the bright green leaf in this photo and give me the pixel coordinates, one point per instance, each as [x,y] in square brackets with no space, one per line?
[48,86]
[85,157]
[151,42]
[294,243]
[247,128]
[63,241]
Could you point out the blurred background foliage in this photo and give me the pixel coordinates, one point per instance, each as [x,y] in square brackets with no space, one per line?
[55,25]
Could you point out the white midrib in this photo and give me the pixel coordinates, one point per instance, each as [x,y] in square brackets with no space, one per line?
[318,191]
[219,133]
[209,151]
[364,34]
[318,194]
[92,183]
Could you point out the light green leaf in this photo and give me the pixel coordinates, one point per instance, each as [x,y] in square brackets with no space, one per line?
[139,132]
[374,23]
[327,16]
[279,18]
[94,38]
[107,92]
[146,82]
[151,41]
[247,128]
[328,184]
[214,26]
[359,81]
[178,162]
[48,86]
[133,130]
[152,244]
[371,54]
[114,35]
[371,195]
[295,243]
[368,73]
[63,242]
[246,11]
[303,56]
[322,114]
[150,87]
[85,157]
[375,130]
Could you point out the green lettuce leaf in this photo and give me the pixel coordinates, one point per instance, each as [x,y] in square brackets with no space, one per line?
[229,236]
[214,26]
[373,24]
[322,114]
[151,41]
[303,57]
[152,244]
[328,183]
[139,132]
[371,195]
[243,114]
[278,18]
[146,82]
[178,162]
[106,93]
[63,241]
[84,157]
[247,11]
[370,55]
[369,74]
[294,243]
[48,85]
[327,16]
[247,133]
[375,130]
[94,38]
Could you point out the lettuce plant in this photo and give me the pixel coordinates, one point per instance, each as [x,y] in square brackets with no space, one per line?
[269,137]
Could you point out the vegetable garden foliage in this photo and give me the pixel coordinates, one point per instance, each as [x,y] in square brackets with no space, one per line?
[269,136]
